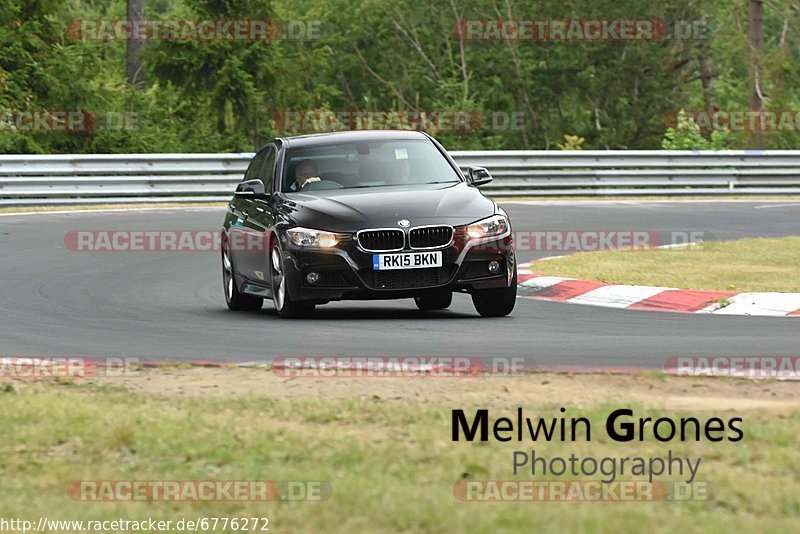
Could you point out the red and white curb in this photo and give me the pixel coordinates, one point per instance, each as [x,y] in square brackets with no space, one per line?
[594,293]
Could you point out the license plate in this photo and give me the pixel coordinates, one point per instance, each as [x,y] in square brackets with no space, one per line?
[413,260]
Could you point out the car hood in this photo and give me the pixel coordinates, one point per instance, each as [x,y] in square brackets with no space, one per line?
[356,209]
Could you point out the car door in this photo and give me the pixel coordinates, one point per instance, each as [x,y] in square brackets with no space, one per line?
[240,233]
[261,216]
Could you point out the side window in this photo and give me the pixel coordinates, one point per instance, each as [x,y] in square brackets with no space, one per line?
[255,164]
[267,171]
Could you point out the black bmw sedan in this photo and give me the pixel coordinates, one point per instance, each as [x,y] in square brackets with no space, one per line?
[364,215]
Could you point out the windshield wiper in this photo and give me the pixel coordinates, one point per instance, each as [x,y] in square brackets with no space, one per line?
[363,186]
[401,185]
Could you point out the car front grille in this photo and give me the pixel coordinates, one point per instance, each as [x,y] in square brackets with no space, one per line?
[408,278]
[430,236]
[381,240]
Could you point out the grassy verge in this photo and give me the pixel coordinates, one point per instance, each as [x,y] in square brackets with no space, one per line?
[27,209]
[743,265]
[111,207]
[384,446]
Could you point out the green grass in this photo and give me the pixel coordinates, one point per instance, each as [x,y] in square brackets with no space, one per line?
[391,465]
[743,265]
[84,207]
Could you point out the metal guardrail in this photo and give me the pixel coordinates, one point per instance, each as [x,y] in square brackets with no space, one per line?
[134,178]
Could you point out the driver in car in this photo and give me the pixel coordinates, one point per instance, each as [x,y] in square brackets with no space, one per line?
[305,173]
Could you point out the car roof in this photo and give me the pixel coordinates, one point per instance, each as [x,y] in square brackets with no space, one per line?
[352,136]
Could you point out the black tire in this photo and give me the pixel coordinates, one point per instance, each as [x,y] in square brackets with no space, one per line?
[496,302]
[284,305]
[434,301]
[236,301]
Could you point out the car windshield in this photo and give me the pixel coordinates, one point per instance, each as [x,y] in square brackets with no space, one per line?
[369,164]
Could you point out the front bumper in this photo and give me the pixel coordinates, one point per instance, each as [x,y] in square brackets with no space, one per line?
[346,271]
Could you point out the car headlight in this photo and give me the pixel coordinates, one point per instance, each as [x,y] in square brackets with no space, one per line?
[493,226]
[305,237]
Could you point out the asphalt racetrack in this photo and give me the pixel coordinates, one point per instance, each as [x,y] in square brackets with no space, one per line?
[170,306]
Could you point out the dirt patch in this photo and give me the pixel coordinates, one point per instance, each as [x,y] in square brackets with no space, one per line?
[537,389]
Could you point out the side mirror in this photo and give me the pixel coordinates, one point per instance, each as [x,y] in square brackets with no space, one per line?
[252,189]
[478,176]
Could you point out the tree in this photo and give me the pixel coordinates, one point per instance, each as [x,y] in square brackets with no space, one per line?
[755,36]
[134,71]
